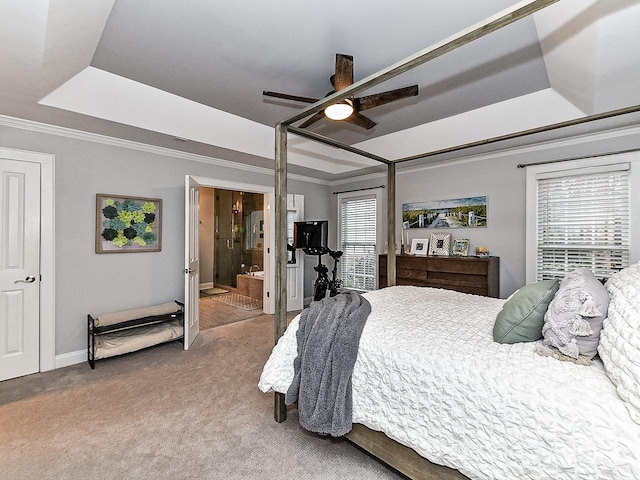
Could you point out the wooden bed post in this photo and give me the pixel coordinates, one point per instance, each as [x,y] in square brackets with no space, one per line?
[280,287]
[391,224]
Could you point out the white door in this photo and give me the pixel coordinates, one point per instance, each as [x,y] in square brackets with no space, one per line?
[191,261]
[295,270]
[19,268]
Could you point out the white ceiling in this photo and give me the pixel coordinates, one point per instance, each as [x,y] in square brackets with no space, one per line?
[154,70]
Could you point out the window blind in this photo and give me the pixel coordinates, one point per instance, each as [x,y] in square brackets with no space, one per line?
[358,264]
[583,221]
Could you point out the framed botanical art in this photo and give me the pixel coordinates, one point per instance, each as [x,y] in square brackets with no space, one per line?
[128,224]
[461,247]
[440,244]
[419,246]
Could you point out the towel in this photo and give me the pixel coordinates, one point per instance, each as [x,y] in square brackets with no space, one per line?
[328,337]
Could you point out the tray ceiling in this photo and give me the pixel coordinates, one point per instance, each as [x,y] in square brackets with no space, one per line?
[154,70]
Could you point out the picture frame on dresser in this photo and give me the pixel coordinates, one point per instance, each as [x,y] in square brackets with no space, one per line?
[419,246]
[440,244]
[460,247]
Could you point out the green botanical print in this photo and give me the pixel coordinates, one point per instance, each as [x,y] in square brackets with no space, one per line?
[129,222]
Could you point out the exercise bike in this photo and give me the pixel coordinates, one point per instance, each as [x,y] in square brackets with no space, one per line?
[323,283]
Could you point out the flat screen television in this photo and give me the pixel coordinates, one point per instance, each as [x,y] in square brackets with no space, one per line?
[312,234]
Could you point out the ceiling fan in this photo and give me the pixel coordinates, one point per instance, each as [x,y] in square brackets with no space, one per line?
[350,108]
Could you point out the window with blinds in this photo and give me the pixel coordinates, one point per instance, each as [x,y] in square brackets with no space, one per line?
[358,233]
[583,221]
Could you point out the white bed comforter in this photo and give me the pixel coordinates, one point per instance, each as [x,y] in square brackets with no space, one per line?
[429,375]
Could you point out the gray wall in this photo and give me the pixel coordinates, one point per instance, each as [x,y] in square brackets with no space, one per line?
[497,177]
[87,282]
[504,186]
[90,283]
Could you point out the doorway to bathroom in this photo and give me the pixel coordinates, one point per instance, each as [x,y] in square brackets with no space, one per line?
[232,243]
[231,236]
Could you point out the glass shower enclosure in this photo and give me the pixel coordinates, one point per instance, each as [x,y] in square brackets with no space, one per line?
[239,234]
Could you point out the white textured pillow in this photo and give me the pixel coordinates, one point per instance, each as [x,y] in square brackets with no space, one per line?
[574,318]
[619,346]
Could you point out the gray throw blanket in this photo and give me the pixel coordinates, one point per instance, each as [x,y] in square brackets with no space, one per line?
[328,339]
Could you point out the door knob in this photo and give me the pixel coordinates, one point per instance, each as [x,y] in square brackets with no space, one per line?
[29,279]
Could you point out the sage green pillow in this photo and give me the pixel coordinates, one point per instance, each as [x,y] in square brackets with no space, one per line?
[522,316]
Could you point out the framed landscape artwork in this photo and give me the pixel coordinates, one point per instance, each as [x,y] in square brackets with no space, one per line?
[452,213]
[128,224]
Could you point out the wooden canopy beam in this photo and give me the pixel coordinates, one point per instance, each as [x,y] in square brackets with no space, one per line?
[391,225]
[334,143]
[523,133]
[280,287]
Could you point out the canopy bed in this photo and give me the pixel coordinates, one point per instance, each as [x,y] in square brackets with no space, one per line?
[371,438]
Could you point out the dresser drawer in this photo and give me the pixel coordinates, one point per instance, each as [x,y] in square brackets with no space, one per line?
[479,276]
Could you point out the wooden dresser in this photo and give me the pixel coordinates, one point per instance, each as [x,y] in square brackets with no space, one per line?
[477,275]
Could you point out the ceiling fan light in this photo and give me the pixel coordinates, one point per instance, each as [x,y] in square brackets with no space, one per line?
[339,111]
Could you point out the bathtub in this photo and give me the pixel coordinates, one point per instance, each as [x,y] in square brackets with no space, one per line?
[250,284]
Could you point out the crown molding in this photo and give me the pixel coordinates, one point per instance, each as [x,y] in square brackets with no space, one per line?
[48,129]
[538,147]
[118,142]
[360,178]
[535,148]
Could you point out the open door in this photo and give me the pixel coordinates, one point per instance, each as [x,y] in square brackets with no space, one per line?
[295,263]
[191,261]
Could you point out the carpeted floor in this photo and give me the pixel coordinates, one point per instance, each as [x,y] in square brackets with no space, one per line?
[166,413]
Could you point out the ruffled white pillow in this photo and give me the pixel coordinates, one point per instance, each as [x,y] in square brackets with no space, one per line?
[619,346]
[573,321]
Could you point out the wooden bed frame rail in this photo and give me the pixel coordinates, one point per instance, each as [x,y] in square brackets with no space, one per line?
[403,459]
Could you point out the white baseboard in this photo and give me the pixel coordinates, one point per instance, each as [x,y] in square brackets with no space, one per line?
[204,286]
[71,358]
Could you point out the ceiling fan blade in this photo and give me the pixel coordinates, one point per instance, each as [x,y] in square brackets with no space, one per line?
[312,120]
[360,120]
[344,72]
[377,99]
[286,96]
